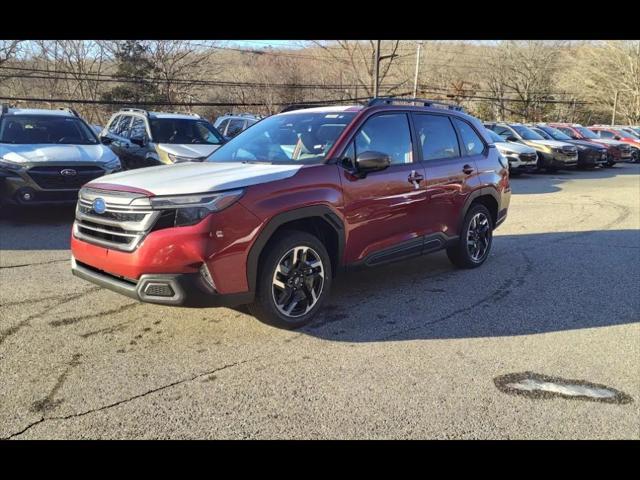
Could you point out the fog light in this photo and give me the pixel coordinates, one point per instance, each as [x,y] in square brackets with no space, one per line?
[206,275]
[26,196]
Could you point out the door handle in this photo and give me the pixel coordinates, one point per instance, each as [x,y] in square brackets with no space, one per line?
[415,178]
[467,169]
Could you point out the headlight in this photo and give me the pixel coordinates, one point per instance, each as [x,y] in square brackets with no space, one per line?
[191,209]
[179,159]
[113,164]
[8,165]
[582,147]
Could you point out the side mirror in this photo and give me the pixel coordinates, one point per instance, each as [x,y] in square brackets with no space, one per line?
[371,161]
[512,138]
[140,141]
[105,140]
[618,137]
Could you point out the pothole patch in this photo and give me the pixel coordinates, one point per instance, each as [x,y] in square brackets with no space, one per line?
[538,386]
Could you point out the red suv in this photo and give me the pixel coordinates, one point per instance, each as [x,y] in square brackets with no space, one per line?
[275,213]
[617,151]
[615,133]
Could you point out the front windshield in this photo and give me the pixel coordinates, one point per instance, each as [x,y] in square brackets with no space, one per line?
[556,134]
[586,132]
[494,136]
[526,133]
[626,134]
[184,131]
[45,129]
[293,138]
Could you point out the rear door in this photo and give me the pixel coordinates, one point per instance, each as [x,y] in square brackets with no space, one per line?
[448,171]
[384,211]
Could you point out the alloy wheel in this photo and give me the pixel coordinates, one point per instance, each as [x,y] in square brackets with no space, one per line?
[298,281]
[478,236]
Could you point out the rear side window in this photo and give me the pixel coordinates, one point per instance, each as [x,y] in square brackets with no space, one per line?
[472,144]
[437,137]
[388,134]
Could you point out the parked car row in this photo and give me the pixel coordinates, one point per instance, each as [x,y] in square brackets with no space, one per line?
[554,146]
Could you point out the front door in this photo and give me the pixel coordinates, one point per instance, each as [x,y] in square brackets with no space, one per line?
[384,211]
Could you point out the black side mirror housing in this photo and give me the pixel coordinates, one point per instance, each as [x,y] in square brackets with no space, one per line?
[618,137]
[371,161]
[105,140]
[140,141]
[512,138]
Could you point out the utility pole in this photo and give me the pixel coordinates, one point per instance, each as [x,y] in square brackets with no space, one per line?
[377,72]
[376,81]
[615,106]
[415,79]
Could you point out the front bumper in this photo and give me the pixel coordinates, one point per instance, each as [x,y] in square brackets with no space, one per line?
[20,188]
[592,158]
[518,163]
[179,289]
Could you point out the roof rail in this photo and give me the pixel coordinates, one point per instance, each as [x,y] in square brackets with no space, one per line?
[425,102]
[300,106]
[70,110]
[186,113]
[139,110]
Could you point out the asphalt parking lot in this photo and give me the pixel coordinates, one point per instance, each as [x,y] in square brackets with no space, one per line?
[410,350]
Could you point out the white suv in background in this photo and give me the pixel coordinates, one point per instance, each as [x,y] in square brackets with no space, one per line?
[231,125]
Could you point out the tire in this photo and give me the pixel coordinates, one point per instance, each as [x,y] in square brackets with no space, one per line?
[288,249]
[461,253]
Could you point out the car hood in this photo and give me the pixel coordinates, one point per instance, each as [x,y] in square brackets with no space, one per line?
[607,141]
[46,153]
[188,150]
[514,147]
[188,177]
[548,143]
[585,143]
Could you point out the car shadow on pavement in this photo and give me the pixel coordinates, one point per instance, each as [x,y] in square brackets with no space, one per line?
[531,284]
[36,228]
[543,182]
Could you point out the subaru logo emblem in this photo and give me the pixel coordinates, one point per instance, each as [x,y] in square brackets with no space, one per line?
[68,172]
[99,206]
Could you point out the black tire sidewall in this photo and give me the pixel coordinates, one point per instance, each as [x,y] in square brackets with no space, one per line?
[264,307]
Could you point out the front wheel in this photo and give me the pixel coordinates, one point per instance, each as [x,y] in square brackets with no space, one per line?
[294,279]
[476,237]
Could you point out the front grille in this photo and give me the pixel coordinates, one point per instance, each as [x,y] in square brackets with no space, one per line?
[122,226]
[51,178]
[570,150]
[528,157]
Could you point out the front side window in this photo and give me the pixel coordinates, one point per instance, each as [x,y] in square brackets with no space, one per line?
[605,134]
[45,129]
[437,137]
[504,132]
[472,144]
[292,138]
[388,134]
[138,128]
[114,124]
[542,133]
[235,127]
[223,125]
[183,131]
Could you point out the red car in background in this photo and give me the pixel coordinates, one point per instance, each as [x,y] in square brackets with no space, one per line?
[618,151]
[613,133]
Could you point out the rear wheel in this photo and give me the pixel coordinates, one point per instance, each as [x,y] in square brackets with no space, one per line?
[475,241]
[294,279]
